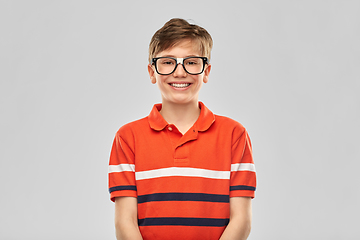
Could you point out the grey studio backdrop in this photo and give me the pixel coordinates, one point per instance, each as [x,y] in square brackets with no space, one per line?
[73,72]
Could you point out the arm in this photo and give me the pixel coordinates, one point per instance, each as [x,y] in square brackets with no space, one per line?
[240,219]
[126,222]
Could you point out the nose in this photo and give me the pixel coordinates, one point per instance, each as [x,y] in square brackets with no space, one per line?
[179,71]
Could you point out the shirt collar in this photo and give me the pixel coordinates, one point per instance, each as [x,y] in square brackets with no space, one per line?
[158,123]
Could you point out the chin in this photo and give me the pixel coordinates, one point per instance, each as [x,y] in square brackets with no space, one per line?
[183,101]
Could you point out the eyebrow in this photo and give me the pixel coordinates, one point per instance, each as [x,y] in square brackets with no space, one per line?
[173,56]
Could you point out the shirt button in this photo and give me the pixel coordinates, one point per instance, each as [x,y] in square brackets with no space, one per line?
[170,128]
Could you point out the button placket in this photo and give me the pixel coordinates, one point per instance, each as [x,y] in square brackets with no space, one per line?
[173,135]
[182,156]
[189,136]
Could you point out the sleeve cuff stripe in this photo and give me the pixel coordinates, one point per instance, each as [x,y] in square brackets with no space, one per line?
[121,188]
[242,187]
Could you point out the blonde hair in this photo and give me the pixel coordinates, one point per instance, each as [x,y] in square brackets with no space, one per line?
[176,30]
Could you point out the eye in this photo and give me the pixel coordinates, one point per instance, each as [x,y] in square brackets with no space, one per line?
[167,61]
[192,61]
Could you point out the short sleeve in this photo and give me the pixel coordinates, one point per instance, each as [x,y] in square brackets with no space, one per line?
[121,169]
[243,175]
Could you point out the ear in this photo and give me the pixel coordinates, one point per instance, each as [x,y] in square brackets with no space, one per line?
[151,74]
[207,73]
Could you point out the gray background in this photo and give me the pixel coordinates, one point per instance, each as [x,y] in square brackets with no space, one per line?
[73,72]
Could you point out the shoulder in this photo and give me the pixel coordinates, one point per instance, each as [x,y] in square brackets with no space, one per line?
[228,123]
[131,128]
[229,127]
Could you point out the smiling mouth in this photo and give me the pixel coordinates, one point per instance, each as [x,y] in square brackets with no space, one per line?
[180,85]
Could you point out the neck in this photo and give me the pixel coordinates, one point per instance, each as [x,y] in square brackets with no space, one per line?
[183,116]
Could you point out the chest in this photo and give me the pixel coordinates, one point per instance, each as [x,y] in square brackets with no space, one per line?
[169,148]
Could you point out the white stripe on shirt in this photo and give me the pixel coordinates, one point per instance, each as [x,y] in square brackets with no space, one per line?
[243,167]
[182,172]
[122,168]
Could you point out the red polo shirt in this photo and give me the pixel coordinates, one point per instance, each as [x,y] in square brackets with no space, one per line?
[182,182]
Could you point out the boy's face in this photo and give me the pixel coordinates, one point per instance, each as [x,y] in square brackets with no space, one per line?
[170,89]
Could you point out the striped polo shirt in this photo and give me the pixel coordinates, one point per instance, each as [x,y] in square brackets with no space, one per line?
[182,182]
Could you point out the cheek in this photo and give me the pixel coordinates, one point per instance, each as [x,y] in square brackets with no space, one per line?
[161,79]
[198,79]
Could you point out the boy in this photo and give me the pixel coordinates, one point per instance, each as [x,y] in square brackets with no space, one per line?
[182,172]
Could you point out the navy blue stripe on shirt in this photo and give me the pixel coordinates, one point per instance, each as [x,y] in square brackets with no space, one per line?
[120,188]
[201,222]
[198,197]
[242,187]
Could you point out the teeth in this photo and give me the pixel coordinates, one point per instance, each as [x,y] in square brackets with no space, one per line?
[180,85]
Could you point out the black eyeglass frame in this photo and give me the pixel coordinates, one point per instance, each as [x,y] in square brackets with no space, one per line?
[205,61]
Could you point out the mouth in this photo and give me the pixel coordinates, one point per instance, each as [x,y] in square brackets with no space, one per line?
[180,85]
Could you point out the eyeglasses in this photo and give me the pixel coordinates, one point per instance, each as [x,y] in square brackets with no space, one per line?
[168,65]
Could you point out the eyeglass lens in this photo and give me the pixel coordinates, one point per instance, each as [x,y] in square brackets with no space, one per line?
[191,65]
